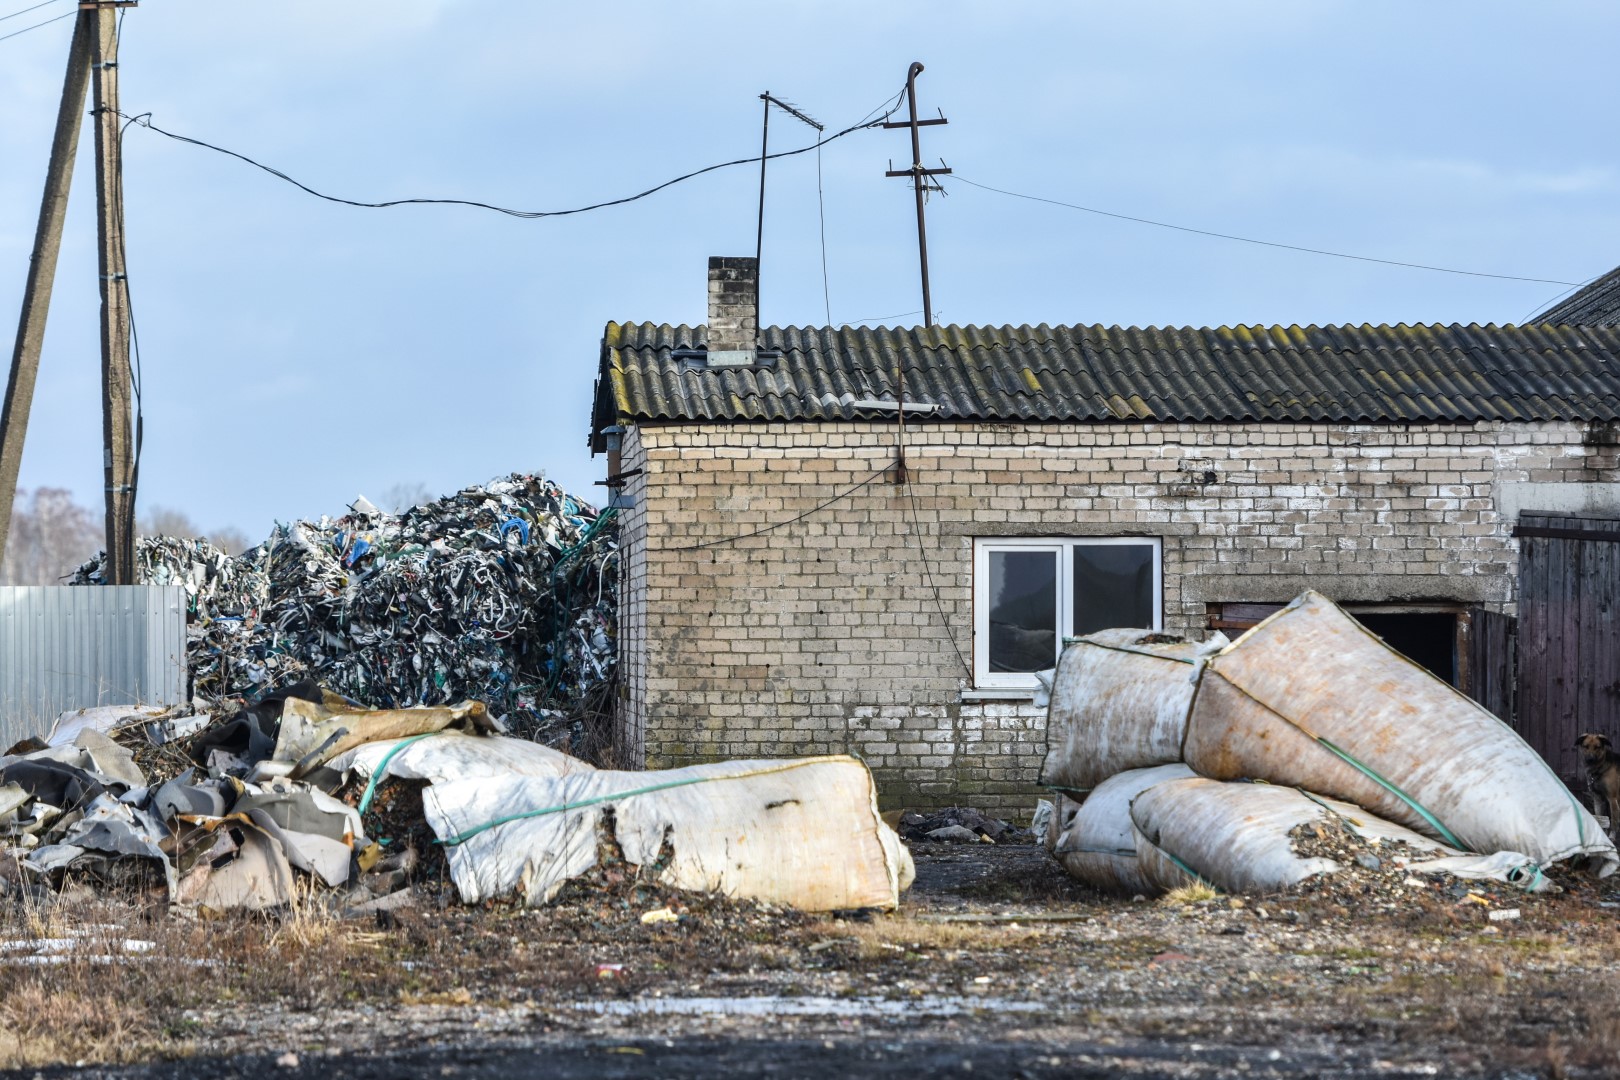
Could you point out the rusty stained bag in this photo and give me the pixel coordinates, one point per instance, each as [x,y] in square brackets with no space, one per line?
[1311,698]
[1235,836]
[1119,702]
[803,832]
[1097,844]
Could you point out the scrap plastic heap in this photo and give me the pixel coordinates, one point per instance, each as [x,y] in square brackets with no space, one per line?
[503,593]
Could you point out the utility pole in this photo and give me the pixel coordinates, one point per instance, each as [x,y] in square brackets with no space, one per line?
[42,269]
[118,457]
[920,183]
[919,177]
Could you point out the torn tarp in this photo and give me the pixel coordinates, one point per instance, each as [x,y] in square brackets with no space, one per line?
[311,734]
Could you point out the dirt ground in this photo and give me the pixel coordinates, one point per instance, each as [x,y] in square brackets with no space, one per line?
[997,964]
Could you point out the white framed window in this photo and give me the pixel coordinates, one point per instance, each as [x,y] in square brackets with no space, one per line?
[1031,593]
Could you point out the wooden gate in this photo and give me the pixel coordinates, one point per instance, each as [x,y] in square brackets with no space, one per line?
[1569,635]
[1492,656]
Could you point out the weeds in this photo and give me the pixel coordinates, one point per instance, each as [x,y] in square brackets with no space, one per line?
[1196,893]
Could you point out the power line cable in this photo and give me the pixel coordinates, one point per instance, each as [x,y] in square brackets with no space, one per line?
[26,10]
[798,517]
[36,26]
[928,572]
[144,120]
[880,318]
[1251,240]
[1551,300]
[821,213]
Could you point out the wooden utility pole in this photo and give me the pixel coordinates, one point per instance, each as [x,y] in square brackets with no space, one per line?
[42,269]
[919,180]
[118,458]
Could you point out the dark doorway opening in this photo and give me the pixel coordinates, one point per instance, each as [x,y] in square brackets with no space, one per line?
[1432,635]
[1427,639]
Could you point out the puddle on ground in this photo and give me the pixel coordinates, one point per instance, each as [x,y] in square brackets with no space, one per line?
[927,1005]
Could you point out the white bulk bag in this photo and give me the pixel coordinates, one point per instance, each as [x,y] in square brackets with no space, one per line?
[1097,844]
[804,833]
[1119,702]
[1235,836]
[1313,699]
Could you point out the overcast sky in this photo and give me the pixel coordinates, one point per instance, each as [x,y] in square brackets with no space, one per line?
[298,353]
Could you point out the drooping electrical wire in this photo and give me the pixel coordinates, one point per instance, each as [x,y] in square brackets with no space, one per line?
[1551,300]
[145,121]
[842,495]
[36,26]
[26,10]
[821,213]
[877,318]
[1251,240]
[928,572]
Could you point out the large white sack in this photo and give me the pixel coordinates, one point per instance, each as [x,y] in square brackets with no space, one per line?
[451,755]
[1098,844]
[1235,836]
[1298,696]
[805,833]
[1119,702]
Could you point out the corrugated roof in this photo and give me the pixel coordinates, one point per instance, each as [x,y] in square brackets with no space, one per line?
[1351,374]
[1597,304]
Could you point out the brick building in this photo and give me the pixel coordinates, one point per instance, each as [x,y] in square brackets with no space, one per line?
[783,594]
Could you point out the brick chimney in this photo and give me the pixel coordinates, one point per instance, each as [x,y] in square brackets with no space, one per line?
[733,302]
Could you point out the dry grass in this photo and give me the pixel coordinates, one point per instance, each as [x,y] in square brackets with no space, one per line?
[898,935]
[1196,893]
[95,1001]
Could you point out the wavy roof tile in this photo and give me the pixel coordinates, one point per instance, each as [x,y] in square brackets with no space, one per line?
[1349,374]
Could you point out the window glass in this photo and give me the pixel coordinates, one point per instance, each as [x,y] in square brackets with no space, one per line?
[1113,586]
[1023,610]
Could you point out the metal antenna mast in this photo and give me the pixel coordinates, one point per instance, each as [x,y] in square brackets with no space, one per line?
[922,185]
[764,153]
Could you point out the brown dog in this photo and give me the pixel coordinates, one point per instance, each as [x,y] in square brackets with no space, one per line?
[1602,776]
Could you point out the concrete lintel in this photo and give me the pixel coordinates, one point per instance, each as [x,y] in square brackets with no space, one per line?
[1514,498]
[1068,528]
[1345,588]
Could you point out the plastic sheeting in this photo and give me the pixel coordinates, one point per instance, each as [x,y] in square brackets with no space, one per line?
[312,733]
[1235,836]
[452,755]
[503,593]
[1097,845]
[805,833]
[1120,701]
[1311,698]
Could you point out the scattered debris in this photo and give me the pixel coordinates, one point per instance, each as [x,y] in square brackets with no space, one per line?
[305,782]
[502,593]
[960,825]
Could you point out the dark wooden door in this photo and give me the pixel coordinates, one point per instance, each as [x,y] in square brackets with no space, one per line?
[1569,634]
[1492,641]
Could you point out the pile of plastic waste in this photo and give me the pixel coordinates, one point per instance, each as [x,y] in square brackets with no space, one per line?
[504,593]
[230,809]
[1239,763]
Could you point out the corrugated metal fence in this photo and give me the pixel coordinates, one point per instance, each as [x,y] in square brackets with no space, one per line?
[70,647]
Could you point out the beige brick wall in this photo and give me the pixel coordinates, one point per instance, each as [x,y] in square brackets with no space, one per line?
[833,633]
